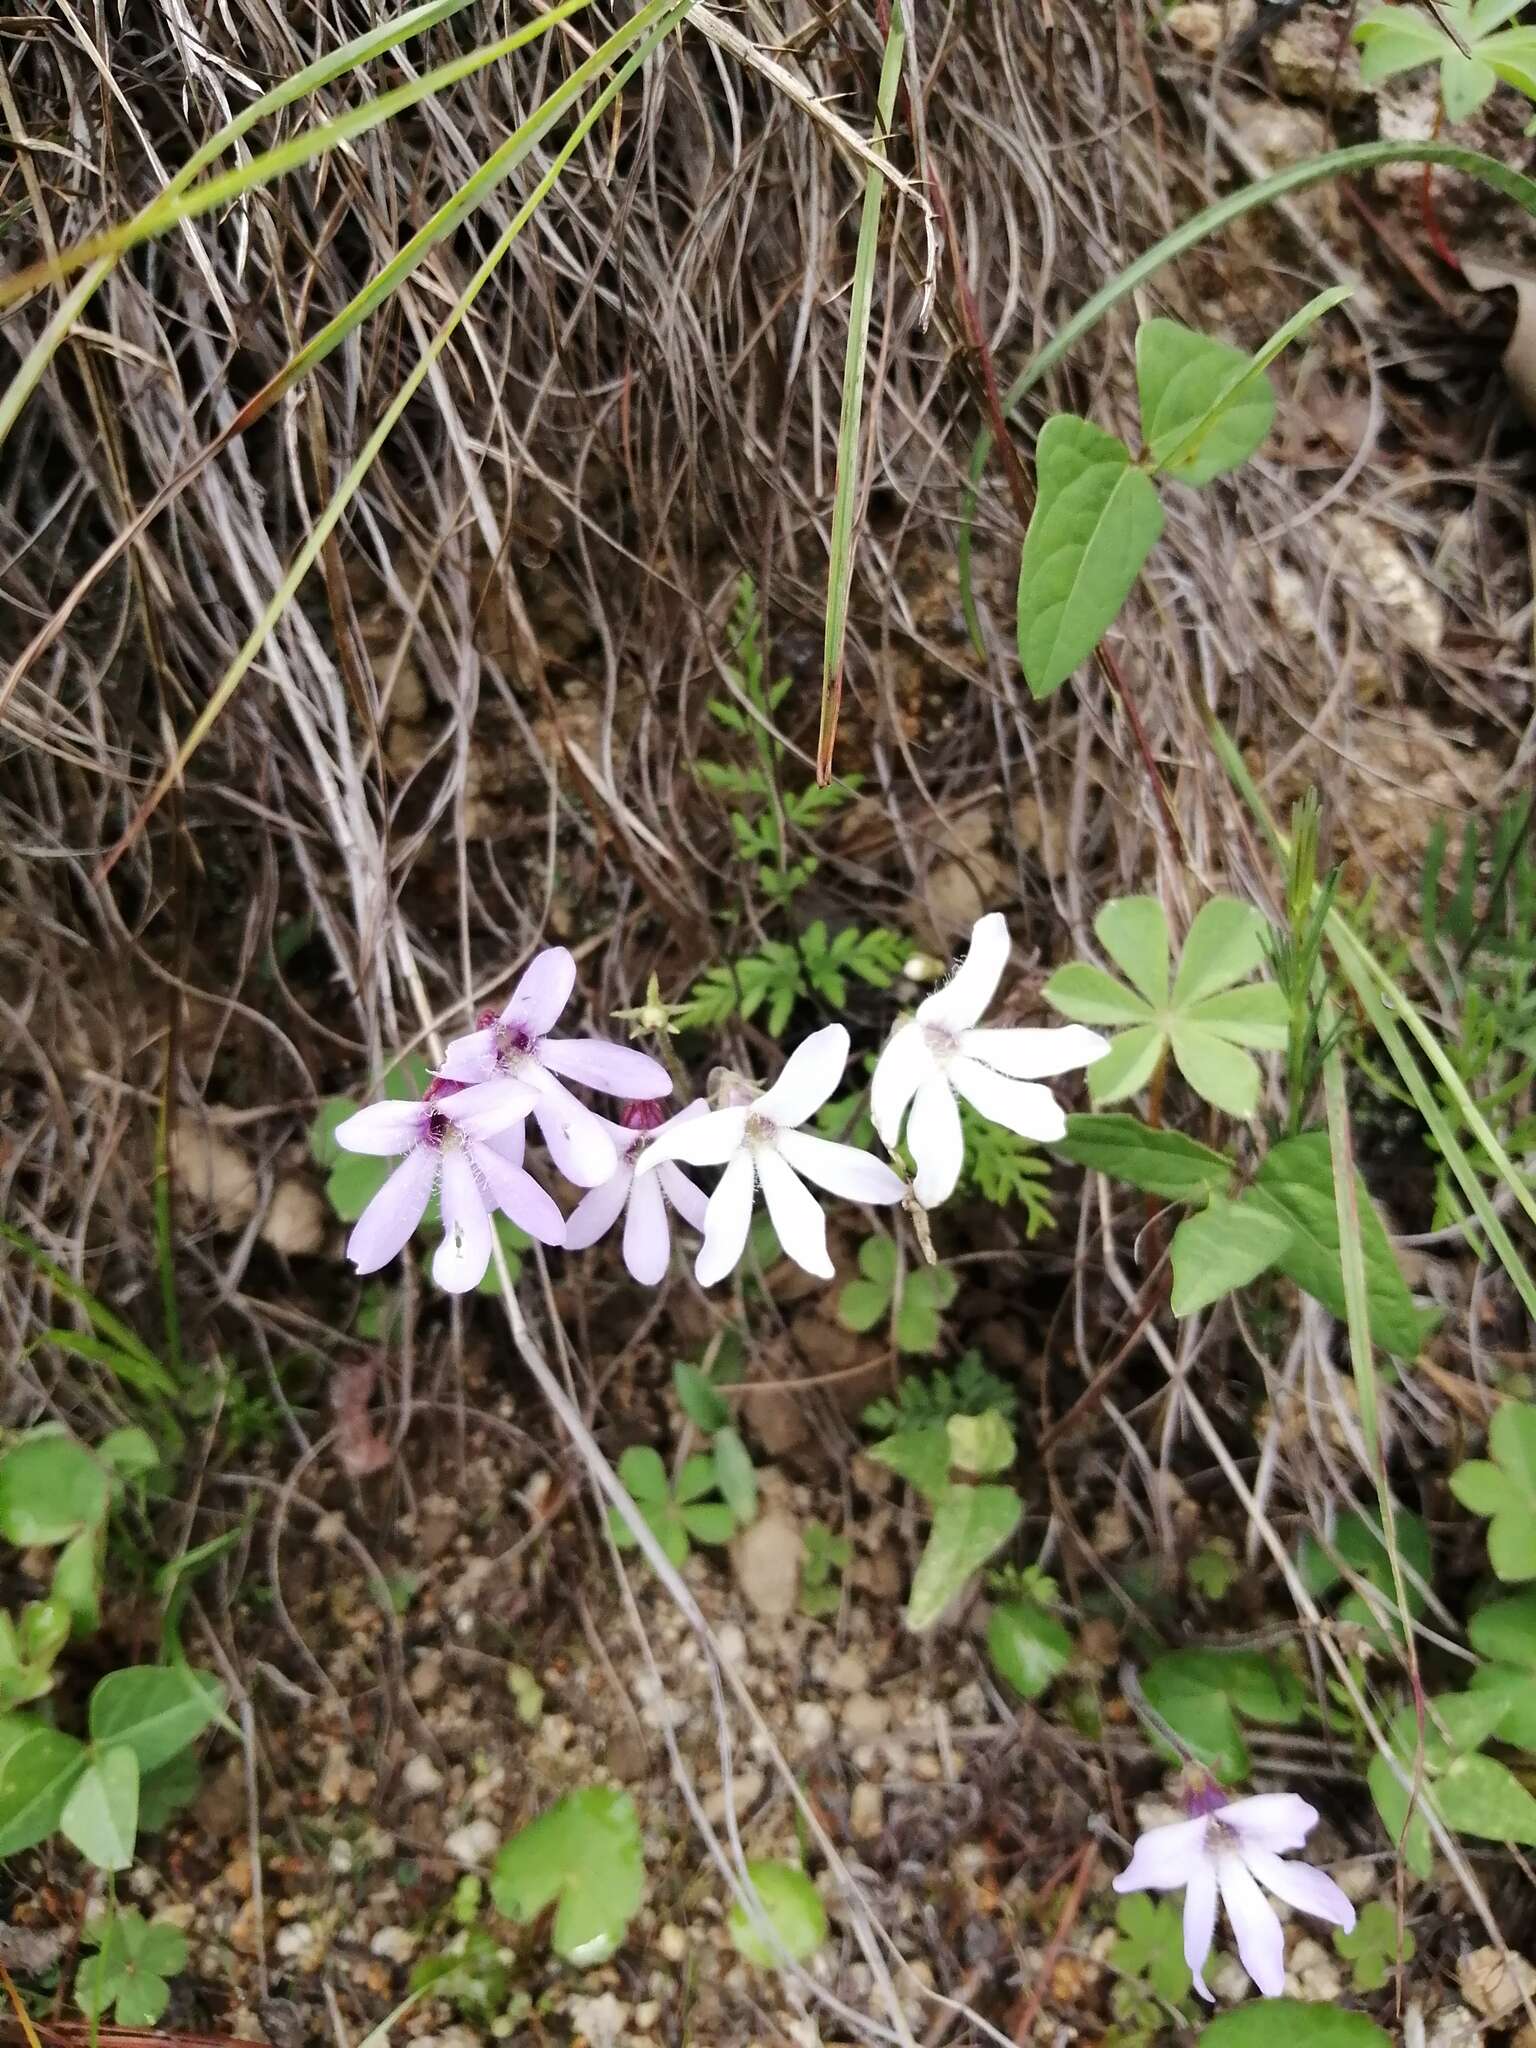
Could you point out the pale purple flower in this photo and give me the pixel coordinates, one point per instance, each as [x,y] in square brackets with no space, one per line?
[760,1144]
[516,1046]
[940,1054]
[449,1141]
[1235,1853]
[643,1197]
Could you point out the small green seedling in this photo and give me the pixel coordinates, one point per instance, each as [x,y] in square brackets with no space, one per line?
[1149,1946]
[825,1560]
[1503,1488]
[911,1299]
[792,1906]
[699,1397]
[679,1515]
[54,1492]
[1373,1950]
[1397,39]
[584,1858]
[1214,1570]
[133,1959]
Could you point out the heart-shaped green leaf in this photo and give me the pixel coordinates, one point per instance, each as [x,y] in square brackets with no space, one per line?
[1096,519]
[1204,407]
[101,1814]
[1220,1248]
[792,1906]
[1504,1489]
[1028,1647]
[155,1710]
[584,1858]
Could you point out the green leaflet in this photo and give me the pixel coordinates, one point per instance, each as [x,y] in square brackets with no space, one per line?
[1096,520]
[1222,1247]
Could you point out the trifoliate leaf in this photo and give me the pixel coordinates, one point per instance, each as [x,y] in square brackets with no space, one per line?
[1504,1489]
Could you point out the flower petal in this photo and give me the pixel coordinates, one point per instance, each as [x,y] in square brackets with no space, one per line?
[471,1058]
[960,1002]
[708,1140]
[727,1220]
[598,1210]
[1022,1106]
[1033,1055]
[520,1196]
[647,1234]
[1199,1921]
[382,1128]
[487,1108]
[577,1141]
[1164,1858]
[395,1210]
[615,1069]
[900,1071]
[690,1202]
[796,1213]
[1277,1821]
[510,1144]
[936,1142]
[1299,1885]
[1260,1937]
[542,992]
[841,1169]
[460,1261]
[810,1074]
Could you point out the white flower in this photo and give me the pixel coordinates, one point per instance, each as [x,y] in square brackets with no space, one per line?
[759,1144]
[941,1054]
[1231,1852]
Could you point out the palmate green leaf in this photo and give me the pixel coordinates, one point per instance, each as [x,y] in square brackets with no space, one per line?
[1295,1184]
[1159,1162]
[919,1455]
[1505,1631]
[1465,82]
[1398,38]
[1220,1248]
[970,1524]
[1182,379]
[1504,1489]
[1511,56]
[1096,519]
[1203,1018]
[642,1475]
[1373,1950]
[925,1294]
[792,1906]
[1028,1647]
[584,1853]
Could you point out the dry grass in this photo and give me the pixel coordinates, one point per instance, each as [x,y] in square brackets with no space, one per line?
[474,731]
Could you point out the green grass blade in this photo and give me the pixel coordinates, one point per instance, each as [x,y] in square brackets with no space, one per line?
[846,497]
[177,203]
[1385,1004]
[646,29]
[100,1317]
[1338,163]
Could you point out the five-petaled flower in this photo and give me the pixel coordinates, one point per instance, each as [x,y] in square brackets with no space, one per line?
[760,1144]
[940,1054]
[1236,1852]
[647,1234]
[450,1141]
[516,1046]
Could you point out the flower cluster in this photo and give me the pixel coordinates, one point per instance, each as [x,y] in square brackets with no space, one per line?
[464,1141]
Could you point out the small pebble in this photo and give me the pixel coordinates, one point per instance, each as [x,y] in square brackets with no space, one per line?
[866,1812]
[476,1842]
[865,1716]
[813,1723]
[394,1944]
[849,1672]
[422,1777]
[672,1943]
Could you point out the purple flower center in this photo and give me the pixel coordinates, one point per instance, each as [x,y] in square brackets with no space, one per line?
[440,1086]
[1202,1795]
[510,1043]
[434,1129]
[642,1116]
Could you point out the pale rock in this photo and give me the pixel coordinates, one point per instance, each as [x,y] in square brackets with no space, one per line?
[776,1418]
[295,1221]
[1279,134]
[1314,59]
[1313,1973]
[746,1790]
[866,1812]
[300,1943]
[766,1560]
[1454,2027]
[1388,579]
[1035,831]
[957,892]
[421,1777]
[476,1842]
[672,1943]
[849,1672]
[865,1717]
[813,1723]
[394,1944]
[426,1679]
[1495,1984]
[601,2020]
[215,1174]
[731,1644]
[880,1576]
[334,1774]
[1359,1879]
[1227,1977]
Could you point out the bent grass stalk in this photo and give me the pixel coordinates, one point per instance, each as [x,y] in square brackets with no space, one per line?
[651,25]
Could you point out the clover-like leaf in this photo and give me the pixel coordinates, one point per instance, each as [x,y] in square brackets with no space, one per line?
[51,1489]
[1202,1693]
[155,1709]
[1096,519]
[1503,1488]
[1149,1943]
[1373,1949]
[584,1858]
[101,1814]
[1393,39]
[39,1768]
[1295,2022]
[133,1960]
[1206,1020]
